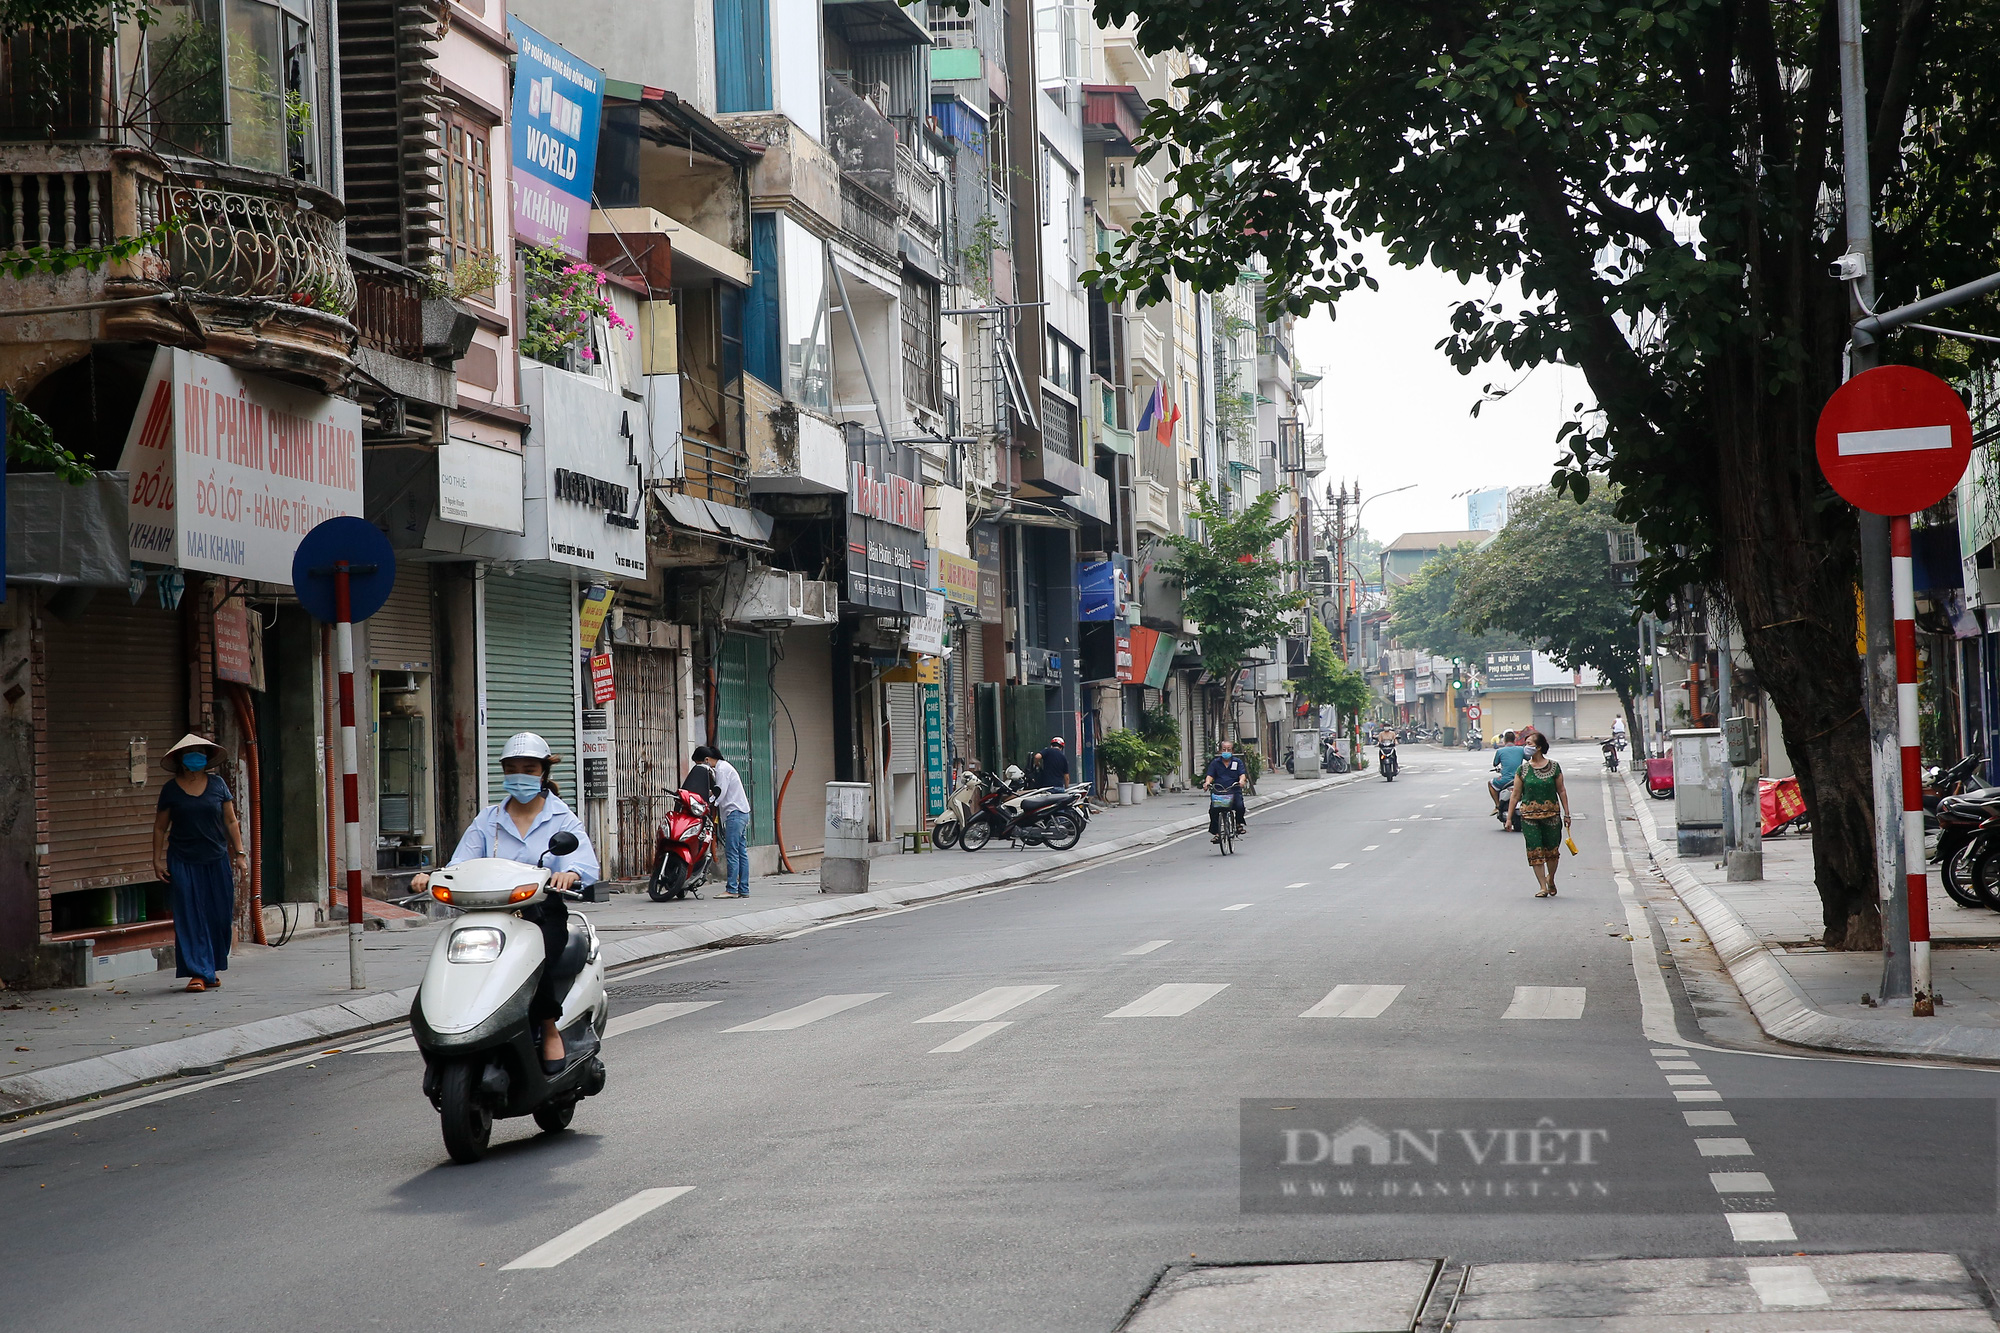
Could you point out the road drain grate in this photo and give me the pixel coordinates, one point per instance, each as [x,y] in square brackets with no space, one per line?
[740,941]
[660,990]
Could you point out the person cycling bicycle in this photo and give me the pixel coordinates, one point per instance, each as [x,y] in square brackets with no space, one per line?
[1226,772]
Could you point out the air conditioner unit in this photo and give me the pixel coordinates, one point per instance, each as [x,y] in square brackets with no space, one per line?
[755,595]
[821,603]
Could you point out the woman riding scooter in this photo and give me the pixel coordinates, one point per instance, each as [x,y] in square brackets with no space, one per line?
[519,829]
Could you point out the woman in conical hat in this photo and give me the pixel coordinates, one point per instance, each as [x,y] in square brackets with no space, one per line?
[198,850]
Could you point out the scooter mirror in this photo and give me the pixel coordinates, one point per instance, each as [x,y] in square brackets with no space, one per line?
[562,844]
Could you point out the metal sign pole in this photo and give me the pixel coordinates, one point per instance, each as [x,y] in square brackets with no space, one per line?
[350,772]
[1916,890]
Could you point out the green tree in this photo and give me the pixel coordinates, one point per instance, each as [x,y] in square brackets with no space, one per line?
[1547,578]
[1424,611]
[1231,584]
[1331,681]
[1659,176]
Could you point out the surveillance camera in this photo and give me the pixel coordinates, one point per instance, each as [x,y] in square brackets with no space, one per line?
[1850,267]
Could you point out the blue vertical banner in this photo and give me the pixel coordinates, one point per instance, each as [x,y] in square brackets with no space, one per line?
[934,748]
[558,104]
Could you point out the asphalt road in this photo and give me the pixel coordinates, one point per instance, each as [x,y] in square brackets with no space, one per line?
[839,1170]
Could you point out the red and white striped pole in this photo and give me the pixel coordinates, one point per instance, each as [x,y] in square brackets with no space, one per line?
[1903,596]
[350,769]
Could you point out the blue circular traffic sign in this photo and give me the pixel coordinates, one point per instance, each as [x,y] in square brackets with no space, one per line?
[371,565]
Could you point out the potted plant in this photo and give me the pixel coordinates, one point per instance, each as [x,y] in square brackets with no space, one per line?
[1128,755]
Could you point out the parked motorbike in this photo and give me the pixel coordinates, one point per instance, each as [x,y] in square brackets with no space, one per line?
[1386,760]
[1474,741]
[1039,817]
[482,1057]
[958,808]
[1611,756]
[683,849]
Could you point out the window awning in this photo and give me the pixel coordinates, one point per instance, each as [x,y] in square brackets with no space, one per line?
[717,522]
[1560,694]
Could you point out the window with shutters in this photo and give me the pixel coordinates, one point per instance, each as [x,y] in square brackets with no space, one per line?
[468,190]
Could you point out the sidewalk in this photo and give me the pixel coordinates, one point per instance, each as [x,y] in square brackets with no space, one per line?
[60,1046]
[1767,934]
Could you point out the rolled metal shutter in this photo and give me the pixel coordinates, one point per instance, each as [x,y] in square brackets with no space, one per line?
[906,737]
[117,701]
[651,759]
[530,677]
[399,635]
[803,701]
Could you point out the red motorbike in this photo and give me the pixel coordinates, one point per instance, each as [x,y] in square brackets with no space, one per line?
[682,848]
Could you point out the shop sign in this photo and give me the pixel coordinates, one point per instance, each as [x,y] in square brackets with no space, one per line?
[558,103]
[232,642]
[480,486]
[581,477]
[888,561]
[1402,689]
[887,498]
[934,749]
[602,691]
[590,617]
[594,749]
[1511,670]
[229,471]
[961,579]
[926,633]
[986,554]
[1121,657]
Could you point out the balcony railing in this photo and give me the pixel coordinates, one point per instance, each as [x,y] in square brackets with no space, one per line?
[389,306]
[234,239]
[867,218]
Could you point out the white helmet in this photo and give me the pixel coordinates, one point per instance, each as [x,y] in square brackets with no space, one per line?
[527,745]
[1013,773]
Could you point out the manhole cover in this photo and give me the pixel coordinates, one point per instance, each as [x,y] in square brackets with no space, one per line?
[660,990]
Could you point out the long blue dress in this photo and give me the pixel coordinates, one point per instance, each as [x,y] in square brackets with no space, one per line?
[201,887]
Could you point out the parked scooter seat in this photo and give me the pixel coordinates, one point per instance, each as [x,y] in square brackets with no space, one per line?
[1037,800]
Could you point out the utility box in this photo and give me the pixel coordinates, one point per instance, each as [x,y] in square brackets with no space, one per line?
[1700,764]
[1743,742]
[849,811]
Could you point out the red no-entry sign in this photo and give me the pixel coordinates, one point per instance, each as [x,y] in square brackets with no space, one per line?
[1894,440]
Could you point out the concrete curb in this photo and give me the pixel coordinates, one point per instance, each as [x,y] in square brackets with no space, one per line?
[101,1075]
[1782,1008]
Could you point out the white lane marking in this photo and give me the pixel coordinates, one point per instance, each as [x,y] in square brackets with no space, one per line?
[1546,1002]
[651,1014]
[969,1037]
[1724,1147]
[1687,1080]
[1677,1064]
[1146,948]
[1170,1001]
[1656,1006]
[1300,885]
[1342,866]
[1354,1002]
[988,1004]
[1707,1119]
[1787,1284]
[863,916]
[1740,1182]
[810,1012]
[43,1127]
[1431,806]
[1371,846]
[586,1234]
[1237,907]
[1668,1055]
[1760,1226]
[1696,1095]
[1395,830]
[1099,865]
[398,1047]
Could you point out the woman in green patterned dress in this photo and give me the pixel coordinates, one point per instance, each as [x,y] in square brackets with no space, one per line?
[1541,803]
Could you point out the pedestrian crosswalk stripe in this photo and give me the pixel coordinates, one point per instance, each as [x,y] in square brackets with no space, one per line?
[651,1014]
[1696,1095]
[1371,846]
[988,1004]
[1660,1052]
[1354,1002]
[1395,830]
[1760,1226]
[1300,885]
[1342,866]
[969,1037]
[1170,1001]
[1787,1285]
[811,1012]
[1707,1119]
[1237,907]
[1147,947]
[1546,1002]
[1740,1182]
[1687,1080]
[1676,1064]
[1724,1147]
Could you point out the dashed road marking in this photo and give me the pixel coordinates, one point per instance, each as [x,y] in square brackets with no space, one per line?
[1237,907]
[651,1014]
[1760,1226]
[1170,1001]
[812,1011]
[988,1004]
[1354,1002]
[1787,1285]
[1546,1002]
[1147,948]
[1740,1182]
[969,1037]
[1724,1147]
[587,1233]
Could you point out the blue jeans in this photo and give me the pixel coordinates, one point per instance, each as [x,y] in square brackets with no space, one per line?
[736,849]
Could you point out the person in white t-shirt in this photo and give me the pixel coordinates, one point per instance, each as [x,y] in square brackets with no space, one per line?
[734,804]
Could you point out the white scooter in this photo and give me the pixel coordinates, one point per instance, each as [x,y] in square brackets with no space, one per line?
[482,1058]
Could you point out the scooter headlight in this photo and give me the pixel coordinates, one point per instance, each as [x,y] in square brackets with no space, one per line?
[475,944]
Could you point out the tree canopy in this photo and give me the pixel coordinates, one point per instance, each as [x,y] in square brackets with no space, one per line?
[1232,585]
[1425,611]
[1660,178]
[1329,680]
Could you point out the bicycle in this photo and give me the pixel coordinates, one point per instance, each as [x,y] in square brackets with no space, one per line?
[1222,808]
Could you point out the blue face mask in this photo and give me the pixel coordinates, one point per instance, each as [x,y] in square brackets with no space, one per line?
[194,762]
[523,787]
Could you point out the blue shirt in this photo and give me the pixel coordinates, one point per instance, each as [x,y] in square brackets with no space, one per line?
[1509,757]
[1228,770]
[196,832]
[492,833]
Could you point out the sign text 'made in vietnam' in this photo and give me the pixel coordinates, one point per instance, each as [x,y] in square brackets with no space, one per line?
[886,498]
[230,470]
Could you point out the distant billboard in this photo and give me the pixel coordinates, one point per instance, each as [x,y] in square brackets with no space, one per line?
[1512,670]
[558,102]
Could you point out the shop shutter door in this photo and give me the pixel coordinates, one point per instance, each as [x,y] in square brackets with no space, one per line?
[743,723]
[804,702]
[650,757]
[399,635]
[905,737]
[530,678]
[116,674]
